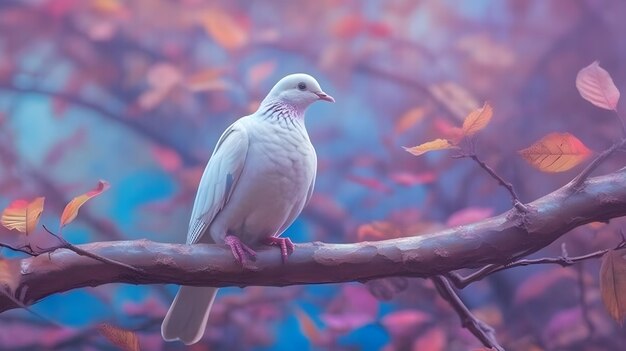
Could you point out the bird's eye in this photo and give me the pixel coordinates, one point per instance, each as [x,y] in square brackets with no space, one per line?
[301,86]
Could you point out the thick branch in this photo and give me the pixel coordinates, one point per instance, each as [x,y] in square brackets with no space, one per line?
[497,240]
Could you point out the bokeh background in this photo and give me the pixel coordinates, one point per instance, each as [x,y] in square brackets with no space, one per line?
[138,92]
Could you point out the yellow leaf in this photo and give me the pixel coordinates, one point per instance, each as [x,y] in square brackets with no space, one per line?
[224,29]
[556,152]
[613,284]
[124,339]
[437,144]
[71,209]
[108,6]
[477,120]
[596,86]
[22,215]
[307,326]
[409,119]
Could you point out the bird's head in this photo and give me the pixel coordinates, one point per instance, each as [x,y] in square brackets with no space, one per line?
[298,91]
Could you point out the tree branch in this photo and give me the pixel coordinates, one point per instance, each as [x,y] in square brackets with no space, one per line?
[497,240]
[564,260]
[508,186]
[579,181]
[484,332]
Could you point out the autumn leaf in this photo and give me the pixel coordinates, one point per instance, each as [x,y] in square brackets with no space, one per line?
[108,6]
[169,159]
[433,339]
[409,119]
[377,230]
[540,283]
[437,144]
[556,152]
[347,27]
[124,339]
[613,284]
[411,179]
[403,323]
[71,209]
[205,80]
[596,86]
[224,29]
[307,326]
[477,120]
[22,215]
[369,182]
[469,215]
[261,71]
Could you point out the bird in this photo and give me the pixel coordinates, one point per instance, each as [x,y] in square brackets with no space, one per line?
[257,181]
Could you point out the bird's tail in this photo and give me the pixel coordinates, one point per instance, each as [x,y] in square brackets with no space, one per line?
[188,315]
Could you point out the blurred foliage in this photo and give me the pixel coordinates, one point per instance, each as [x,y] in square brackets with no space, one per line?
[137,93]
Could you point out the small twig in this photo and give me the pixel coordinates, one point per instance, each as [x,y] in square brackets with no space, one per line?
[67,245]
[8,295]
[621,122]
[27,249]
[564,260]
[508,186]
[583,300]
[579,180]
[484,332]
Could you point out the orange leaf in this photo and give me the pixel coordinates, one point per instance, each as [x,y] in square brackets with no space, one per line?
[409,119]
[348,26]
[260,72]
[108,6]
[433,339]
[208,79]
[307,326]
[613,284]
[556,152]
[437,144]
[596,86]
[71,209]
[540,283]
[22,215]
[124,339]
[477,120]
[224,29]
[378,230]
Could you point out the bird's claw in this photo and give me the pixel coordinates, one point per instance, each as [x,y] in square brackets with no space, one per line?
[239,249]
[285,244]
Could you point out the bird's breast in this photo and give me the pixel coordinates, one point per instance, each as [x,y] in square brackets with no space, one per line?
[280,166]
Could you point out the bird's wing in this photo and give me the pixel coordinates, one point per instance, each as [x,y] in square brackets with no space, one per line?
[312,185]
[219,179]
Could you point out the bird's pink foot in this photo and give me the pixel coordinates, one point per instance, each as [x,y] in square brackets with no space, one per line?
[240,250]
[285,244]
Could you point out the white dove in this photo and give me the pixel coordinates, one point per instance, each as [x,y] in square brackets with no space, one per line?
[259,178]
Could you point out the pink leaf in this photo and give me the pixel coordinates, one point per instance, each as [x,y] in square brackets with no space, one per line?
[469,215]
[596,86]
[411,179]
[402,324]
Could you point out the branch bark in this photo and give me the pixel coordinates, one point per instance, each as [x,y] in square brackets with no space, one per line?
[497,240]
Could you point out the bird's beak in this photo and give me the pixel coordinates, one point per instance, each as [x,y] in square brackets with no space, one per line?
[323,96]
